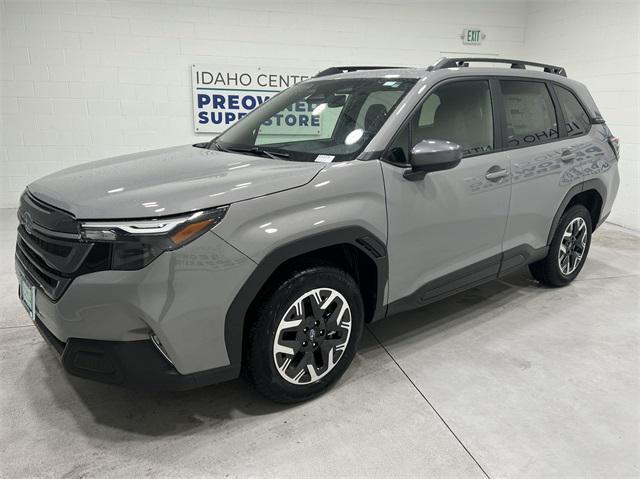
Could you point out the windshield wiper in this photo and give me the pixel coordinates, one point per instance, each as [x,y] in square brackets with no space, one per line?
[276,155]
[271,154]
[219,146]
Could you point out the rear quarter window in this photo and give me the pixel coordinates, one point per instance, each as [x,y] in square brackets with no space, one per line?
[576,119]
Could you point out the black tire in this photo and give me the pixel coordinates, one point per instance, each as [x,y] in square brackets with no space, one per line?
[260,360]
[548,270]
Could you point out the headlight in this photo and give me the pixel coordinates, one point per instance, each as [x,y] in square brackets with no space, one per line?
[137,243]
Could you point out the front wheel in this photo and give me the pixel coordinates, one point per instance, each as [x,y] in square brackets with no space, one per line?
[305,334]
[568,250]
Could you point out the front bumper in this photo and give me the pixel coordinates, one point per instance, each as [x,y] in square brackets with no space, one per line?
[101,326]
[133,364]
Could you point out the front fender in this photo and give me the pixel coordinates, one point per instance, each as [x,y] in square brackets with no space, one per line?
[344,204]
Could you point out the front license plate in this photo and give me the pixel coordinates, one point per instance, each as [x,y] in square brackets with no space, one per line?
[27,295]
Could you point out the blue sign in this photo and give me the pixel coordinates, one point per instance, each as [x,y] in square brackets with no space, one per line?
[223,96]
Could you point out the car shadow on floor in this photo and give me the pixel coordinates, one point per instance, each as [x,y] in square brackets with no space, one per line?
[455,314]
[471,308]
[155,414]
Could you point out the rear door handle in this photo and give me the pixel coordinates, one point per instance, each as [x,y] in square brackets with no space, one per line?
[495,173]
[567,156]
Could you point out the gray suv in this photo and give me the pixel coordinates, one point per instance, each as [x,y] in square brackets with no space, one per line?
[349,197]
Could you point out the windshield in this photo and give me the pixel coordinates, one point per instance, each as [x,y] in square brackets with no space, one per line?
[325,120]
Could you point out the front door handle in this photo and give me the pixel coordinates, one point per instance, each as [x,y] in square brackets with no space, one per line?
[495,173]
[567,156]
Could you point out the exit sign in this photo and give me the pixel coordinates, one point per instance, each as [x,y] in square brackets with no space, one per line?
[472,36]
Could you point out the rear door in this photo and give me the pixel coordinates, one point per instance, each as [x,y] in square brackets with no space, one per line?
[546,137]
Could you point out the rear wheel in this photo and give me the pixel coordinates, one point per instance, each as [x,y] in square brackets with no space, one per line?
[305,334]
[568,250]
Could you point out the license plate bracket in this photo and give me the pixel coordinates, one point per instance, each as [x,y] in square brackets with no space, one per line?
[27,295]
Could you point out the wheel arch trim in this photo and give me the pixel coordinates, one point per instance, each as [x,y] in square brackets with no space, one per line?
[363,239]
[593,184]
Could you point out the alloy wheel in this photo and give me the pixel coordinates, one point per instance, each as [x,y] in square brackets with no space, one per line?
[572,246]
[312,336]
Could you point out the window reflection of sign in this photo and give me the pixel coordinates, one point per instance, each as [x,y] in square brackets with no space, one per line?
[294,120]
[533,138]
[573,129]
[475,150]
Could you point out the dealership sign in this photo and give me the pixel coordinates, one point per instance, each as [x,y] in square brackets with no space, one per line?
[222,96]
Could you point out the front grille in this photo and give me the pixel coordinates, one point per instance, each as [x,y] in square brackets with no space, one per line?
[49,250]
[56,249]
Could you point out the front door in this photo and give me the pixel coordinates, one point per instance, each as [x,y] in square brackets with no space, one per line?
[446,230]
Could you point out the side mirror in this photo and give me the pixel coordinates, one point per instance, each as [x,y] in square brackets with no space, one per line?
[432,155]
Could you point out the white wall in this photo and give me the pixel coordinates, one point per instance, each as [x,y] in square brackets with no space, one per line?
[599,44]
[91,79]
[88,79]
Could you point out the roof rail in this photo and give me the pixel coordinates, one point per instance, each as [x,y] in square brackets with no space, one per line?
[335,70]
[518,64]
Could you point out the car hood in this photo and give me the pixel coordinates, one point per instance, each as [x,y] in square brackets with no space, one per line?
[166,182]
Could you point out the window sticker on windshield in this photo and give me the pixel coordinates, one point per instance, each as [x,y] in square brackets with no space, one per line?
[324,158]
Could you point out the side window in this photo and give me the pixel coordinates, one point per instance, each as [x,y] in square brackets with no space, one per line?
[459,112]
[529,112]
[428,110]
[576,119]
[398,151]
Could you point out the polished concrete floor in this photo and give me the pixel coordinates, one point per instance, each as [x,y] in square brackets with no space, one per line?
[510,379]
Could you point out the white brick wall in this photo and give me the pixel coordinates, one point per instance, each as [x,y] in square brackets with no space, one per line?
[83,80]
[599,44]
